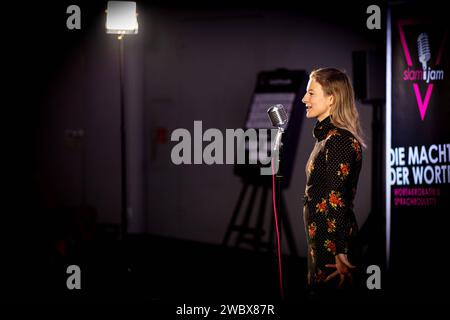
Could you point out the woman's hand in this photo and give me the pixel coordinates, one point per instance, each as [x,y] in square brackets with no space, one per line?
[343,269]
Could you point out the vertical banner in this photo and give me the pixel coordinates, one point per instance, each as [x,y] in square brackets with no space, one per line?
[419,166]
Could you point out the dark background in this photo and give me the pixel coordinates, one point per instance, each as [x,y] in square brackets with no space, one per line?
[188,62]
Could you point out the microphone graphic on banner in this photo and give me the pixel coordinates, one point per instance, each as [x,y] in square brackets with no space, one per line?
[279,119]
[423,47]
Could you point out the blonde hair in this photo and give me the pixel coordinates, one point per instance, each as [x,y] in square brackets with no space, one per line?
[343,111]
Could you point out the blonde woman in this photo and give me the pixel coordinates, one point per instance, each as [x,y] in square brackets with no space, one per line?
[332,173]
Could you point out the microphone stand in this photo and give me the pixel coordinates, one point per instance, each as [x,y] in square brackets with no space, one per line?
[278,176]
[278,148]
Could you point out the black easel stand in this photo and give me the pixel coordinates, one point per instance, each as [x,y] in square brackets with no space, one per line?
[253,234]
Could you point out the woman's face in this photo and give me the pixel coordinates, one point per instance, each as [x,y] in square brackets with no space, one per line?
[318,104]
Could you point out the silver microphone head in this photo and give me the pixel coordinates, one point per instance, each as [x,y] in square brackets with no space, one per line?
[423,47]
[277,115]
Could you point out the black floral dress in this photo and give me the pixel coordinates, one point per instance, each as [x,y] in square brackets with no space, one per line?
[332,173]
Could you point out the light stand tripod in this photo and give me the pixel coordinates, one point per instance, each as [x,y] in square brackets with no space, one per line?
[121,19]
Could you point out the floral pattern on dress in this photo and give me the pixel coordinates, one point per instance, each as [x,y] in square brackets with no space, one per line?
[357,147]
[330,190]
[331,224]
[335,200]
[344,170]
[330,245]
[312,230]
[322,206]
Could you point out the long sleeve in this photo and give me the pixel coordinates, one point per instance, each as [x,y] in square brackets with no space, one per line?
[340,156]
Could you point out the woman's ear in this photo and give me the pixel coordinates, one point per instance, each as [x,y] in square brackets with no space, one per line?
[331,100]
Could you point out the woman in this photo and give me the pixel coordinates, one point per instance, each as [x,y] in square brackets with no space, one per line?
[332,175]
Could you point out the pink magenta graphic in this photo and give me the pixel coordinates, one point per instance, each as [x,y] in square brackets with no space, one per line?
[422,104]
[401,23]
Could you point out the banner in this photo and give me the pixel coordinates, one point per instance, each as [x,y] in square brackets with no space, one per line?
[419,166]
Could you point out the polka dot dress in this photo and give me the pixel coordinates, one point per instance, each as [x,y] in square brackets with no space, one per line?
[332,173]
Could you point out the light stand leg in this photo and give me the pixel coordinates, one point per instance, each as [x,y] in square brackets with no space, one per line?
[123,148]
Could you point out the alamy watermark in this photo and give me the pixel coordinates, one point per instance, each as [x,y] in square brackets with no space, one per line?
[74,19]
[374,279]
[74,279]
[237,146]
[374,20]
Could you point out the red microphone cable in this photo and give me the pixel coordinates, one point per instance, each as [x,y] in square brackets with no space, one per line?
[277,231]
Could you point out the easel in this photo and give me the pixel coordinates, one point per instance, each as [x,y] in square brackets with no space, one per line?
[280,86]
[254,234]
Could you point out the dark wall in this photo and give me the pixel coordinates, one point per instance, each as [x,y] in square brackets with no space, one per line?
[202,65]
[186,63]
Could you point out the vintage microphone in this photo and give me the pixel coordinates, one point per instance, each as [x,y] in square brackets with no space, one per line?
[279,119]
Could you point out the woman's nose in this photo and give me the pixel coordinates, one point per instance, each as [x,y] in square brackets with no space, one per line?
[304,99]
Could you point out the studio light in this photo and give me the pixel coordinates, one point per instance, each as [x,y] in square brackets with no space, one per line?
[121,19]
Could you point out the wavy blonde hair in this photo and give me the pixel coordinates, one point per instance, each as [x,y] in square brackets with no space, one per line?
[343,111]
